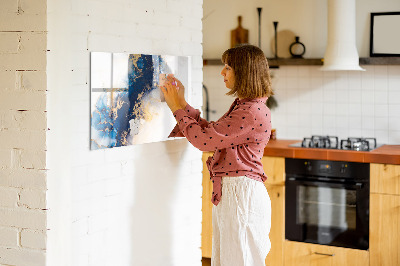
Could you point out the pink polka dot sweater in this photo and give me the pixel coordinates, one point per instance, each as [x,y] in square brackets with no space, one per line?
[238,139]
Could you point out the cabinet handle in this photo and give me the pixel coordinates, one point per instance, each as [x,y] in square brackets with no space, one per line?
[324,254]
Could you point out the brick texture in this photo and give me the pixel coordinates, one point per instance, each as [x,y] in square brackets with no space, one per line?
[23,125]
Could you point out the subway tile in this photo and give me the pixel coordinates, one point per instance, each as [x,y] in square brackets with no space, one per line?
[316,82]
[316,72]
[394,71]
[394,83]
[394,123]
[342,109]
[342,96]
[380,97]
[367,96]
[367,109]
[329,109]
[381,110]
[380,71]
[317,95]
[355,109]
[329,94]
[355,132]
[317,107]
[355,122]
[381,84]
[382,136]
[394,110]
[342,82]
[394,97]
[329,122]
[304,72]
[367,82]
[292,82]
[342,122]
[303,82]
[291,71]
[381,123]
[355,96]
[328,74]
[394,136]
[367,133]
[368,122]
[354,81]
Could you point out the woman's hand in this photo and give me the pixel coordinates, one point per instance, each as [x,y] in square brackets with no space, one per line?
[172,94]
[181,90]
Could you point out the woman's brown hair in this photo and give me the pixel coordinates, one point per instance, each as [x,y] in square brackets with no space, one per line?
[250,66]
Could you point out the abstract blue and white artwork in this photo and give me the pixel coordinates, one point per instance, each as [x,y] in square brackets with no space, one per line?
[127,106]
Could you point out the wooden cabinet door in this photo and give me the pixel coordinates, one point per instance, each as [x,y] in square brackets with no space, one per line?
[385,178]
[274,168]
[206,226]
[304,254]
[277,233]
[384,236]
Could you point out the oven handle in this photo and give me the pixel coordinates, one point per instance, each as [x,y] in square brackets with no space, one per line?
[357,185]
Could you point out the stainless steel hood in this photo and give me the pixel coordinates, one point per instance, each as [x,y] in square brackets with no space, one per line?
[341,51]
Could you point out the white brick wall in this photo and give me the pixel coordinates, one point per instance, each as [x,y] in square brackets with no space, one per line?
[23,132]
[136,205]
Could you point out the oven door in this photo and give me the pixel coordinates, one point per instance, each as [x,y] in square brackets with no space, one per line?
[327,213]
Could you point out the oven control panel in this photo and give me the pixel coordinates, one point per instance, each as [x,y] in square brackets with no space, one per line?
[338,169]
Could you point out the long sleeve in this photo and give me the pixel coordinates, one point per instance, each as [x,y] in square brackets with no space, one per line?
[231,130]
[193,113]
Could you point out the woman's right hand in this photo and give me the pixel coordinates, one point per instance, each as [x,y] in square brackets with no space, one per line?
[181,91]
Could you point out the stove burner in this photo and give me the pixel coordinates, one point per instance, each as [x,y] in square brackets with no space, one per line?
[328,142]
[332,142]
[358,144]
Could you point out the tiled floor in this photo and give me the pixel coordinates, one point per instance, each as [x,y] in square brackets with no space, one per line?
[206,261]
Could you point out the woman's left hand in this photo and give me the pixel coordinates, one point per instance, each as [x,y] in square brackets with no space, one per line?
[170,90]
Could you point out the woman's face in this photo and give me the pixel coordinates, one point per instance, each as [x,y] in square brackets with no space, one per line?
[229,76]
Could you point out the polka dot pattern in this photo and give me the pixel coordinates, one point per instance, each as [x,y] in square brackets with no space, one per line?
[238,139]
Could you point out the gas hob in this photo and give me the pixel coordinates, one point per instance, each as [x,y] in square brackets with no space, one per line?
[332,142]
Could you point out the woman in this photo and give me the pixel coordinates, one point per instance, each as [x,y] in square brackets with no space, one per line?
[242,208]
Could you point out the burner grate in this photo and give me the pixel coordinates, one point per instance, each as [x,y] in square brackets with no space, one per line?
[327,142]
[358,144]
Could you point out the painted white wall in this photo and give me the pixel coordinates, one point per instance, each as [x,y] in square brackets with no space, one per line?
[311,102]
[135,205]
[23,133]
[306,18]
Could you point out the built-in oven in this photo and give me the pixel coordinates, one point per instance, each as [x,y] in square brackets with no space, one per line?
[327,202]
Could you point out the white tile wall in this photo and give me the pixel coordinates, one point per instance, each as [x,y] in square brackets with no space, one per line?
[312,102]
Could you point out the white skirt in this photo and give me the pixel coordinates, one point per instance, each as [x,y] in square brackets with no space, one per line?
[241,223]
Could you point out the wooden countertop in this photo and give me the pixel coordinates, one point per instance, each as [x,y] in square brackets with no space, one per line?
[389,154]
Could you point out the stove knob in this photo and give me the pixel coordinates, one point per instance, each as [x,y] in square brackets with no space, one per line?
[343,168]
[308,166]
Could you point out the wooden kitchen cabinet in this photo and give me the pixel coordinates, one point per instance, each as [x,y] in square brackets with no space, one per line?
[385,178]
[384,236]
[277,233]
[206,225]
[305,254]
[274,168]
[384,215]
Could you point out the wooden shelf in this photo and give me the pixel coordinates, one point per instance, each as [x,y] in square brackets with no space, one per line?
[273,63]
[276,62]
[380,61]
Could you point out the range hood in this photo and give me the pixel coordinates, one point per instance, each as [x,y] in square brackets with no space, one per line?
[341,51]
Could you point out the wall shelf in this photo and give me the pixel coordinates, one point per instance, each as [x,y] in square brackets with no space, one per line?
[274,63]
[380,61]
